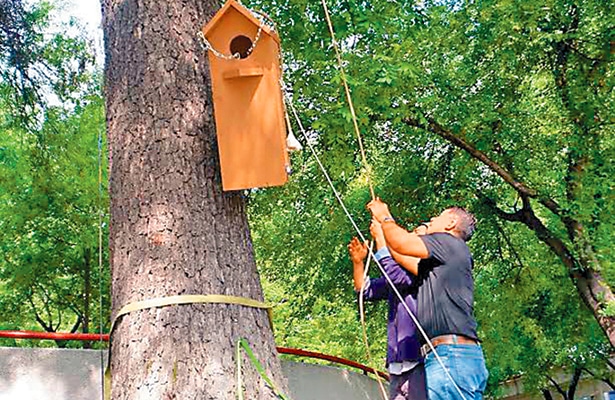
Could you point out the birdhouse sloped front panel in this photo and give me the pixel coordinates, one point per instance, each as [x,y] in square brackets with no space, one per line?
[248,105]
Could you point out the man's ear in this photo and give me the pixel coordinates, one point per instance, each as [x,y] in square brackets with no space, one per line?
[452,223]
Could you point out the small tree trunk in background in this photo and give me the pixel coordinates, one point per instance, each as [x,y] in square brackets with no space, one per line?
[173,230]
[87,292]
[547,394]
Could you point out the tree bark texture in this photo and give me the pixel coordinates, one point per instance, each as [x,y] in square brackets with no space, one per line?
[172,229]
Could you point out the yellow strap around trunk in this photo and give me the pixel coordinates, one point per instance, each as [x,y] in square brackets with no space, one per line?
[177,300]
[191,299]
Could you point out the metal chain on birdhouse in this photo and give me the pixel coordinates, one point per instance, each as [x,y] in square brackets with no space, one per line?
[236,56]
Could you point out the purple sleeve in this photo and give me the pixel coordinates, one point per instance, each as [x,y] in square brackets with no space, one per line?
[399,276]
[376,289]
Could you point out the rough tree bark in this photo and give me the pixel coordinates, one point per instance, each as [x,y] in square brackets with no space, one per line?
[173,230]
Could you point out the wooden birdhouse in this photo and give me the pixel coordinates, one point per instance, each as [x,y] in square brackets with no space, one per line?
[244,57]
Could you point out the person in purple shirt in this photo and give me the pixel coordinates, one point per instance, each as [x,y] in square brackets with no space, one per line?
[403,360]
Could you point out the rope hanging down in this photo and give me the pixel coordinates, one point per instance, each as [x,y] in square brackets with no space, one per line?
[341,202]
[350,104]
[349,99]
[372,256]
[363,324]
[369,181]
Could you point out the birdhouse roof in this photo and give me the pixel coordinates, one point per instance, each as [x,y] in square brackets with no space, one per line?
[243,11]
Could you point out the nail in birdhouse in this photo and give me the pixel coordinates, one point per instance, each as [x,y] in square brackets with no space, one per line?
[244,57]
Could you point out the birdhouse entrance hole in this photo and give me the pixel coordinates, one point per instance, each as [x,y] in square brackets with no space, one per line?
[241,44]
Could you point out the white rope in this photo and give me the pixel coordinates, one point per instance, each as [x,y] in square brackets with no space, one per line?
[386,276]
[363,326]
[324,171]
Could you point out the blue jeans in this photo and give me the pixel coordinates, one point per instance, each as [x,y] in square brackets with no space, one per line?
[466,365]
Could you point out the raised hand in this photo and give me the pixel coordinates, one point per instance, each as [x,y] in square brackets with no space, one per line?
[357,250]
[379,209]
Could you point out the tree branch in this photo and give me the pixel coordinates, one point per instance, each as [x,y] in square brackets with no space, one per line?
[59,321]
[37,316]
[592,288]
[520,187]
[605,380]
[76,325]
[514,252]
[517,216]
[547,394]
[557,386]
[574,382]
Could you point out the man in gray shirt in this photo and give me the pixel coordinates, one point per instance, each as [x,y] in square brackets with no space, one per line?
[442,263]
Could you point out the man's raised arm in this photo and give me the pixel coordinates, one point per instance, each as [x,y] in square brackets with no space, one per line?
[398,239]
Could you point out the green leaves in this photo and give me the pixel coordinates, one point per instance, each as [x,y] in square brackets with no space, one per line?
[50,198]
[49,222]
[527,84]
[40,66]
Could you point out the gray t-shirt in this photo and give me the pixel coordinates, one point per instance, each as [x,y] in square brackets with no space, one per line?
[446,288]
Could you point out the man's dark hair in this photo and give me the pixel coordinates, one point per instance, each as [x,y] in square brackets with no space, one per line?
[466,224]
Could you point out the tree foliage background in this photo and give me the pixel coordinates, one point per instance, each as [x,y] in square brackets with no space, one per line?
[52,204]
[503,106]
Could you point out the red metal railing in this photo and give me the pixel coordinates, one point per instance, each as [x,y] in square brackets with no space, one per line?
[53,335]
[105,338]
[338,360]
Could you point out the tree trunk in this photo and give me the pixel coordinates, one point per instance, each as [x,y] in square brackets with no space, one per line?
[572,387]
[87,292]
[547,394]
[173,230]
